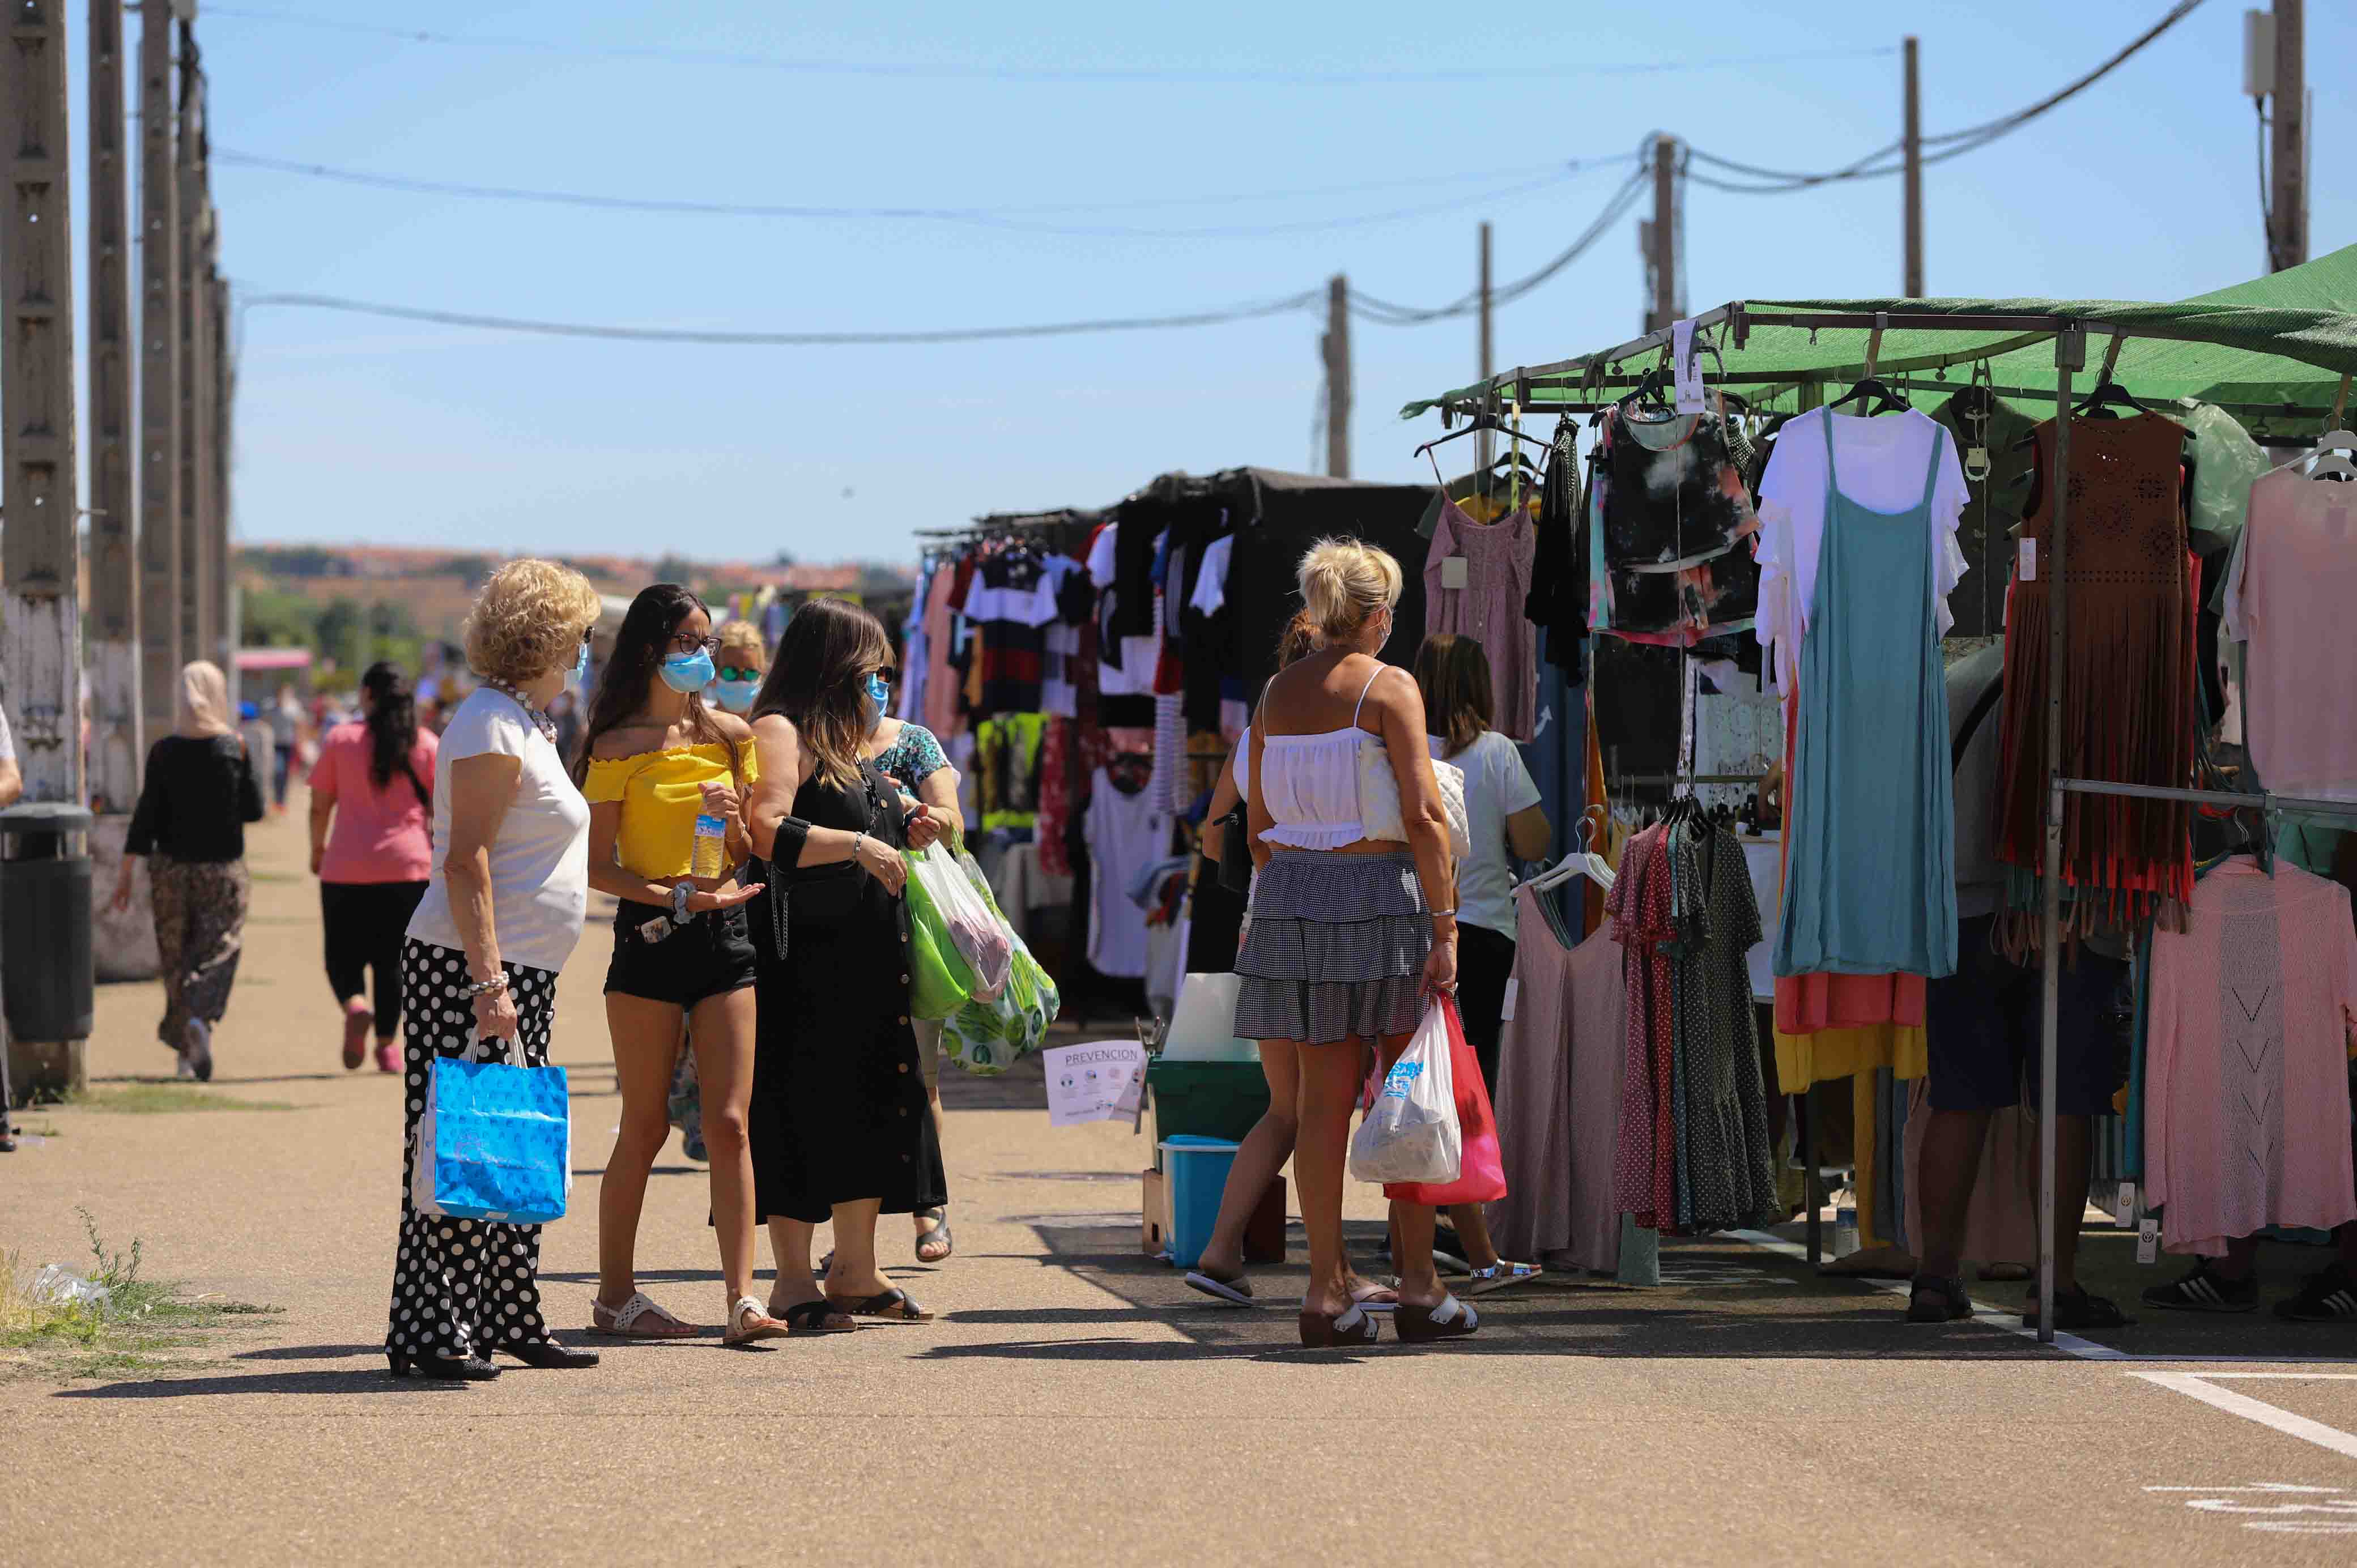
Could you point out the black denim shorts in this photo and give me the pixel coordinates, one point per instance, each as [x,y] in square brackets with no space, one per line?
[712,955]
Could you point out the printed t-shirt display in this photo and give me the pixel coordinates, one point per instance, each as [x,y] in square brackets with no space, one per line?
[538,862]
[2292,597]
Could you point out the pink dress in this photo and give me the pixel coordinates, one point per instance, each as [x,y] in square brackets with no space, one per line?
[1489,609]
[2246,1088]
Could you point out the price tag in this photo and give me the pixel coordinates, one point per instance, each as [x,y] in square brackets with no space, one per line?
[2028,570]
[2125,1209]
[1506,1013]
[1453,572]
[1686,368]
[2148,1240]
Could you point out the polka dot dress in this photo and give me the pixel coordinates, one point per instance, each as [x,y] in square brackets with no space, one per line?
[461,1287]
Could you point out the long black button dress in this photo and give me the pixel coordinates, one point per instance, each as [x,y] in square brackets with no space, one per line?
[839,1111]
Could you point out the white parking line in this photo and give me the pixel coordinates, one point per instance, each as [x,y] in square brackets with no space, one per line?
[2198,1386]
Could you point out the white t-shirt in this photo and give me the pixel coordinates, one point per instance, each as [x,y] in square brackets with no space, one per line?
[540,862]
[1497,785]
[1880,463]
[1126,834]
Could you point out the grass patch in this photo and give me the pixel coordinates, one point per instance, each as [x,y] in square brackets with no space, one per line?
[134,1329]
[276,876]
[149,1099]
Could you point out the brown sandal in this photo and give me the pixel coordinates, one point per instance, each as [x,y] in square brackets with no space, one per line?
[1330,1330]
[1452,1319]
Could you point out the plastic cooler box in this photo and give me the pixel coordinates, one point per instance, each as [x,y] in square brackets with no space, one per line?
[1196,1169]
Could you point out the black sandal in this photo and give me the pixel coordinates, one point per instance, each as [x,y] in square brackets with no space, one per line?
[1936,1298]
[817,1315]
[938,1236]
[2075,1310]
[892,1306]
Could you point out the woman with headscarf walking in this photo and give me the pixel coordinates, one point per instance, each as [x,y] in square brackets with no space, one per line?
[200,791]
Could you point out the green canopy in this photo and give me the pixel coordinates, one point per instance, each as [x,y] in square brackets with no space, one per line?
[2279,343]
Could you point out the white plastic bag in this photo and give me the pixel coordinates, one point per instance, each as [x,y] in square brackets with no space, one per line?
[1410,1132]
[974,929]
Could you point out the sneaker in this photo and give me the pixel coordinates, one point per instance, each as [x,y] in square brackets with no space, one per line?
[197,1059]
[2205,1290]
[1933,1299]
[184,1070]
[2076,1310]
[388,1056]
[2328,1296]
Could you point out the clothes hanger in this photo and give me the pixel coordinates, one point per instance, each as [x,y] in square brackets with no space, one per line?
[2333,443]
[1582,862]
[1878,395]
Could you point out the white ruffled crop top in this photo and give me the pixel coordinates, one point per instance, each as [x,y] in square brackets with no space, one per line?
[1328,789]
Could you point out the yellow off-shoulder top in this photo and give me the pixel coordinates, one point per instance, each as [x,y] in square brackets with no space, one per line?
[661,794]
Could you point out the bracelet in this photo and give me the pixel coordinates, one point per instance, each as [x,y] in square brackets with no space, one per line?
[857,840]
[484,987]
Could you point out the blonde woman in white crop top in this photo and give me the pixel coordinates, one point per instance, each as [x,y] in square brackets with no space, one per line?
[1349,932]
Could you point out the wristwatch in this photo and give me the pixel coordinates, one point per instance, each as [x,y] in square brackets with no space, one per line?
[680,894]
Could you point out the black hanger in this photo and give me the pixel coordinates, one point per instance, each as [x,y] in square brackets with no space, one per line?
[1879,396]
[1481,422]
[2106,400]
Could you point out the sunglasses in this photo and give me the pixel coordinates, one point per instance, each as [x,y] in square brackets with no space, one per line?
[686,643]
[734,673]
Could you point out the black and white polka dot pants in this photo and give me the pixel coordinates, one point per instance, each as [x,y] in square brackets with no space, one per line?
[462,1286]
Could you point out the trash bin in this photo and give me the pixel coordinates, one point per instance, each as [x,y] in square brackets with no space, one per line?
[46,975]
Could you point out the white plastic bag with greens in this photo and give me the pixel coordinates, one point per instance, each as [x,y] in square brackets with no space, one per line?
[1410,1132]
[944,893]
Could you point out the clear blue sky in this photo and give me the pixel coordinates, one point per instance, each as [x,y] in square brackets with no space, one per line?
[352,429]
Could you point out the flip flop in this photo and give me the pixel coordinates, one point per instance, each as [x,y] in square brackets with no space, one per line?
[892,1306]
[1500,1274]
[622,1322]
[1235,1292]
[817,1315]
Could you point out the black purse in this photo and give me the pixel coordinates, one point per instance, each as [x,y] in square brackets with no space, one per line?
[1235,851]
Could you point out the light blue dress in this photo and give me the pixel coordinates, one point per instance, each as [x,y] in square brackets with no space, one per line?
[1869,880]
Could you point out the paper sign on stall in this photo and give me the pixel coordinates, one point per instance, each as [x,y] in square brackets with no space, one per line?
[1685,368]
[1098,1082]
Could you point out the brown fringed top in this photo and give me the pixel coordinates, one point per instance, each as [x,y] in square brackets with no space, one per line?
[2129,699]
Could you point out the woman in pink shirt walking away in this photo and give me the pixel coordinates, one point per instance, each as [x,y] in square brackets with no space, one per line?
[372,851]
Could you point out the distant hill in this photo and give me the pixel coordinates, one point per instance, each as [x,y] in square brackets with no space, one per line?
[354,603]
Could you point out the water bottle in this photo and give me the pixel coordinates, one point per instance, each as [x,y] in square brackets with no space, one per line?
[1844,1231]
[710,854]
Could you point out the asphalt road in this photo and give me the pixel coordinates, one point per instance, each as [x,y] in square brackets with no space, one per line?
[1074,1405]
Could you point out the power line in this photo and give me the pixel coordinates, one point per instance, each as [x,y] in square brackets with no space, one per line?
[1950,144]
[989,217]
[1116,74]
[1615,207]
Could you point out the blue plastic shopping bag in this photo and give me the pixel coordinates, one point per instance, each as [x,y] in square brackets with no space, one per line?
[494,1143]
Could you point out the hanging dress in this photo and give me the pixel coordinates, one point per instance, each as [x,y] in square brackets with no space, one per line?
[1870,879]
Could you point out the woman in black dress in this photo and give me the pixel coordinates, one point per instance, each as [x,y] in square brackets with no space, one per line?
[840,1127]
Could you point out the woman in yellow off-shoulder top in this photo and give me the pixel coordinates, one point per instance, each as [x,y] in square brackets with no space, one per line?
[664,777]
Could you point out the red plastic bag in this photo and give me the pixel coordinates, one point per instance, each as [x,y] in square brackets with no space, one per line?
[1481,1176]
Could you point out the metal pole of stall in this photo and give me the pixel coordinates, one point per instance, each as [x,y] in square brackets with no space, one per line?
[2069,354]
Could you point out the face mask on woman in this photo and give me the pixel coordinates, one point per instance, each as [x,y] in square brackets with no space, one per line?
[879,692]
[686,673]
[737,696]
[580,671]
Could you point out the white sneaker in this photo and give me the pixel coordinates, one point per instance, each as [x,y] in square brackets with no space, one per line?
[186,1069]
[197,1059]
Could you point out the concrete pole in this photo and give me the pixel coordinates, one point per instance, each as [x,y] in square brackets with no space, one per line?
[1662,235]
[198,631]
[1483,447]
[116,747]
[1912,135]
[1338,377]
[217,465]
[40,547]
[159,369]
[2288,151]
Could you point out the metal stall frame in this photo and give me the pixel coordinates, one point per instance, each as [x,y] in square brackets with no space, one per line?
[1596,374]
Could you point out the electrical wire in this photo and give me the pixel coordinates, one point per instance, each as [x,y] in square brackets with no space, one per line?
[980,73]
[1889,160]
[989,218]
[1389,314]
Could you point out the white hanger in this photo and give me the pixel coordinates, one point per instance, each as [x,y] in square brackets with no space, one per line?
[2329,460]
[1581,861]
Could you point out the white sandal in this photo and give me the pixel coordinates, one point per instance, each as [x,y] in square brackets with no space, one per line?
[622,1322]
[763,1326]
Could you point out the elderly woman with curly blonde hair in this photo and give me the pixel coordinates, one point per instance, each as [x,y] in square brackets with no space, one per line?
[500,915]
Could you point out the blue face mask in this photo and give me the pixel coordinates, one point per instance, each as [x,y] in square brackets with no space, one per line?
[686,672]
[879,698]
[580,671]
[735,696]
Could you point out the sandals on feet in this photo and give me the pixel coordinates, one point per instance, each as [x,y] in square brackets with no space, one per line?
[1500,1274]
[935,1246]
[748,1324]
[1328,1330]
[2076,1310]
[1934,1298]
[1452,1319]
[624,1321]
[1376,1296]
[892,1306]
[816,1316]
[1233,1289]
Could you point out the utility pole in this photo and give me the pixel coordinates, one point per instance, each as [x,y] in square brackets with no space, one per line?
[159,369]
[224,386]
[40,651]
[115,746]
[1661,235]
[2288,225]
[198,631]
[1337,346]
[1482,442]
[1912,135]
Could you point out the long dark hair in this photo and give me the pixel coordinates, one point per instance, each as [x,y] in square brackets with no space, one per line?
[1453,673]
[392,722]
[817,678]
[653,619]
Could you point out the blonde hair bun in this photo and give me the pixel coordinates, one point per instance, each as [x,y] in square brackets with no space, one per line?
[1344,582]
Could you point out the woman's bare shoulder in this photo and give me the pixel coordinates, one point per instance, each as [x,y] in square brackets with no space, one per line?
[731,726]
[628,740]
